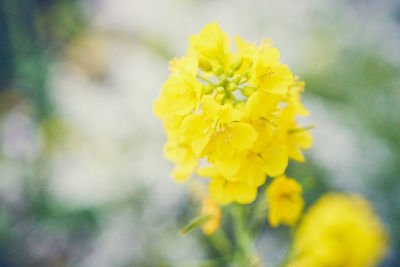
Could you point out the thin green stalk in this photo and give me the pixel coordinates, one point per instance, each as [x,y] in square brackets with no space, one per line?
[221,242]
[246,250]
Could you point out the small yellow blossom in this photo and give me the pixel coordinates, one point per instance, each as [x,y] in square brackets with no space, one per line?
[184,66]
[218,133]
[211,209]
[225,190]
[270,75]
[339,231]
[293,97]
[180,95]
[285,201]
[297,137]
[211,43]
[183,156]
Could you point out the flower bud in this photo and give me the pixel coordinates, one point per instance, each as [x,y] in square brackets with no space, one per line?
[220,90]
[248,91]
[237,62]
[219,70]
[236,78]
[232,87]
[207,89]
[205,64]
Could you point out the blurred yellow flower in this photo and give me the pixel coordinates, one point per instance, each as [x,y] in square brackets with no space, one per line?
[210,209]
[339,230]
[285,201]
[225,190]
[234,110]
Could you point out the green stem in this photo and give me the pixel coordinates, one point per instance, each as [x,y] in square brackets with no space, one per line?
[221,242]
[259,215]
[246,251]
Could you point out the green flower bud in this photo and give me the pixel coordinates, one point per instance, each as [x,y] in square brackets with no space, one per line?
[205,64]
[248,91]
[236,78]
[232,87]
[219,70]
[237,62]
[220,90]
[208,89]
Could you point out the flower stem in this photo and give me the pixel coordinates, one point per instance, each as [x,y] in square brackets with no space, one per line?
[245,254]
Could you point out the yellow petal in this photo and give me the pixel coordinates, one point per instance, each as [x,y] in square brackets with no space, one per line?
[183,66]
[183,170]
[210,107]
[278,82]
[269,57]
[160,108]
[298,140]
[208,171]
[264,135]
[227,113]
[218,192]
[227,166]
[295,153]
[276,158]
[194,130]
[175,152]
[211,42]
[181,95]
[304,139]
[261,104]
[246,49]
[241,193]
[270,75]
[252,170]
[242,135]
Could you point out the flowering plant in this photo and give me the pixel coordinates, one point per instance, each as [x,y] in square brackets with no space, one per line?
[230,116]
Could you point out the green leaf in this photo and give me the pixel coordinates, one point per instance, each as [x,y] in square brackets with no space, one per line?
[196,222]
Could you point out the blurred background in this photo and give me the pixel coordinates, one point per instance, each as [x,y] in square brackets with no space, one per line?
[83,181]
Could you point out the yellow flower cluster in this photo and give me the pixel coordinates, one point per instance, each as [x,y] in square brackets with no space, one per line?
[339,231]
[234,109]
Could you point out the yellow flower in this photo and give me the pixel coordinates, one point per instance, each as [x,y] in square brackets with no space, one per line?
[212,210]
[180,95]
[262,105]
[183,156]
[218,133]
[297,137]
[252,170]
[249,51]
[339,231]
[293,97]
[270,75]
[225,191]
[234,110]
[285,201]
[184,66]
[275,157]
[211,43]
